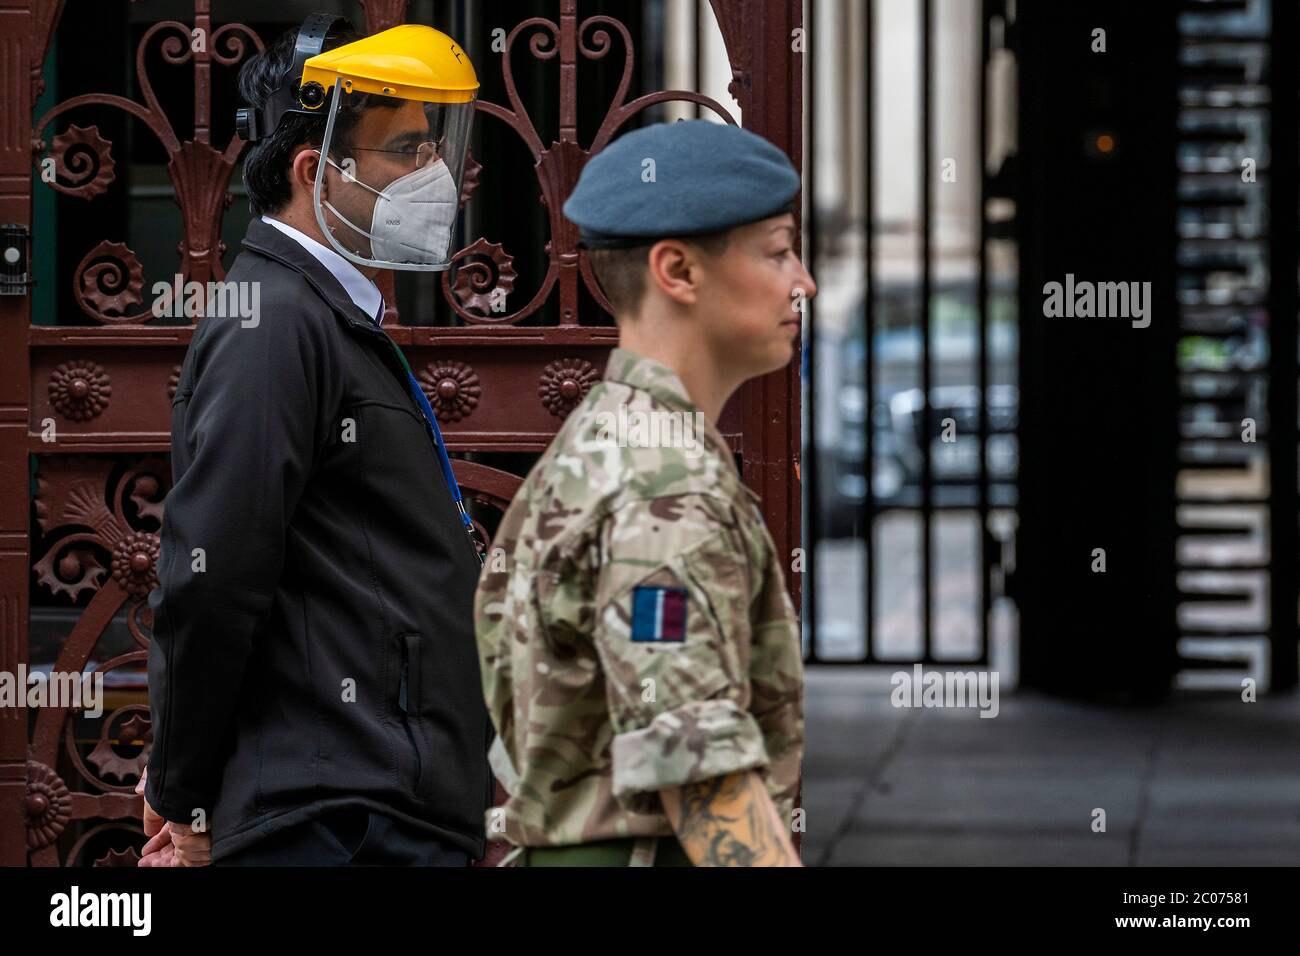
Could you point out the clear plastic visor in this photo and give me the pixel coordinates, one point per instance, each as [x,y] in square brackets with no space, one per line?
[387,195]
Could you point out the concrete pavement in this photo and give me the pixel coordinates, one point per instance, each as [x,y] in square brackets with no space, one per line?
[1199,780]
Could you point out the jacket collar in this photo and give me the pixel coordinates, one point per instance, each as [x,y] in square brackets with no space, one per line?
[663,384]
[363,292]
[649,375]
[271,242]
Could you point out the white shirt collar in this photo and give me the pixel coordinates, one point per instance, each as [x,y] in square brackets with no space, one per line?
[361,290]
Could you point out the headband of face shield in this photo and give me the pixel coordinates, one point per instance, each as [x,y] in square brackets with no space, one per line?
[393,168]
[254,124]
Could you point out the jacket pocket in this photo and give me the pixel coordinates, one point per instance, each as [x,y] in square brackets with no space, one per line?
[409,703]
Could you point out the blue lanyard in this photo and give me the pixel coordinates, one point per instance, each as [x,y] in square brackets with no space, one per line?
[443,459]
[431,420]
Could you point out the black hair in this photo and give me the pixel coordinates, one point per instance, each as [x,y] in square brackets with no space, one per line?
[268,161]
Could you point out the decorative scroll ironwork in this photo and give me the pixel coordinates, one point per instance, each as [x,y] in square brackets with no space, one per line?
[484,281]
[107,282]
[109,279]
[82,504]
[70,495]
[557,166]
[85,505]
[469,177]
[97,517]
[84,157]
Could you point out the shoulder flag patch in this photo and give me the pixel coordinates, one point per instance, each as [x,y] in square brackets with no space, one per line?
[658,614]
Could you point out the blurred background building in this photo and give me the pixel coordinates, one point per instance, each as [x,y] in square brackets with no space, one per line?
[1101,513]
[1152,163]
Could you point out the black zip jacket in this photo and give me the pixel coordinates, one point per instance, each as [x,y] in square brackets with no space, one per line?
[313,636]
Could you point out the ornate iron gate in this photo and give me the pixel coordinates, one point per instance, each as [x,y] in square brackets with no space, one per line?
[84,409]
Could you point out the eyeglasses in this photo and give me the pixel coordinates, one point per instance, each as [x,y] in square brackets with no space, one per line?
[424,153]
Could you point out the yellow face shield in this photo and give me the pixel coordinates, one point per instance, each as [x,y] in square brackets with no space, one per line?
[401,106]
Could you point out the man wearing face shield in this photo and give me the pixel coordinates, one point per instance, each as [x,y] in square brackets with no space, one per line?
[386,195]
[313,678]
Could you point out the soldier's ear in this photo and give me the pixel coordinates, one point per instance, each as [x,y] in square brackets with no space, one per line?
[673,267]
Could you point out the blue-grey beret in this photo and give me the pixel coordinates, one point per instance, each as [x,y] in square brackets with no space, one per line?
[705,177]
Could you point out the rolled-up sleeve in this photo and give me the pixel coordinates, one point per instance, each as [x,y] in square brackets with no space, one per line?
[672,635]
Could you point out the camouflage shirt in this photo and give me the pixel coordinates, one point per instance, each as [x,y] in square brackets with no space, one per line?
[633,624]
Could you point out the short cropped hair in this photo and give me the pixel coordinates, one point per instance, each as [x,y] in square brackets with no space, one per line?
[622,272]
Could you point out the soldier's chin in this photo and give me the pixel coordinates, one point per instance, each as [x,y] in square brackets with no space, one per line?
[781,356]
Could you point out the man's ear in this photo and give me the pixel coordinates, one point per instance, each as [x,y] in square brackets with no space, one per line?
[674,268]
[306,162]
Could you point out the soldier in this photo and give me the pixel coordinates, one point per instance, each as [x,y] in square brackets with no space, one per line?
[640,656]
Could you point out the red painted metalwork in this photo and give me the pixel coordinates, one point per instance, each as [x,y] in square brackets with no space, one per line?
[70,495]
[106,387]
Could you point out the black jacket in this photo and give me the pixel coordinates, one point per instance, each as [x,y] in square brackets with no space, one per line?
[319,649]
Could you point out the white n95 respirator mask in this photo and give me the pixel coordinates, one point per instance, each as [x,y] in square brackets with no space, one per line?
[413,215]
[405,146]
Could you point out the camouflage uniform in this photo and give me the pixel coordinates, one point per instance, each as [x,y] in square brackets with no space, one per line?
[633,624]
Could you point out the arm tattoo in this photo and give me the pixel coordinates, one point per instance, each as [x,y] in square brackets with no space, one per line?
[727,821]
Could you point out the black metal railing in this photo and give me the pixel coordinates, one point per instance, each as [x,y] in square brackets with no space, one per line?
[904,454]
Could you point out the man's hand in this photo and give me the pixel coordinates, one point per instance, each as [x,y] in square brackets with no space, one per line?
[153,822]
[177,845]
[171,844]
[729,821]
